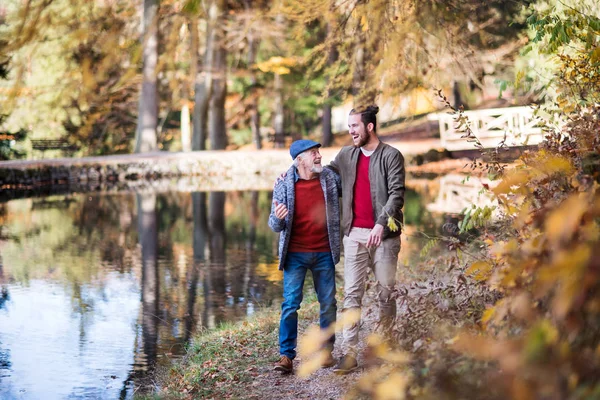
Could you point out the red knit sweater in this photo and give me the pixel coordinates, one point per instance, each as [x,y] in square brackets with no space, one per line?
[309,229]
[362,208]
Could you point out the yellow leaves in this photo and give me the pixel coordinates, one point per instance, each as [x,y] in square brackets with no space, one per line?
[487,315]
[391,223]
[349,317]
[519,79]
[541,166]
[513,179]
[311,347]
[552,164]
[595,56]
[385,383]
[562,222]
[507,353]
[364,24]
[87,74]
[270,271]
[538,339]
[565,274]
[393,388]
[480,270]
[382,350]
[277,65]
[312,343]
[312,364]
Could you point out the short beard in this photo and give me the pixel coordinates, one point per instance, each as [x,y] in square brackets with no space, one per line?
[316,168]
[361,142]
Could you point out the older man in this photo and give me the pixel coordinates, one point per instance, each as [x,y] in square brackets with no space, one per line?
[372,174]
[306,211]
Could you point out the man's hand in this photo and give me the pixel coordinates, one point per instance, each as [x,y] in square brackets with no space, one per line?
[375,236]
[281,210]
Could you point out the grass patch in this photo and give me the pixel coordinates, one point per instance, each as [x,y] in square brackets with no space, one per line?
[223,362]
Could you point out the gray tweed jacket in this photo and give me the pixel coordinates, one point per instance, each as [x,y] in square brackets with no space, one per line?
[284,193]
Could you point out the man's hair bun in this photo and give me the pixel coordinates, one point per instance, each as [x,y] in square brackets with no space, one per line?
[372,110]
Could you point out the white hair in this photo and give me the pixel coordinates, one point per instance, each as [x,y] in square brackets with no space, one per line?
[297,159]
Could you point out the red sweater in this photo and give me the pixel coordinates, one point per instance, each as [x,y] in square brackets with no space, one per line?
[362,209]
[309,229]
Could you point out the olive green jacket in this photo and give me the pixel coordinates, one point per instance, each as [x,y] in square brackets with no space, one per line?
[386,174]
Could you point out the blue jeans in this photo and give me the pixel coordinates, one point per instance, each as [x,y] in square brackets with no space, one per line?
[323,271]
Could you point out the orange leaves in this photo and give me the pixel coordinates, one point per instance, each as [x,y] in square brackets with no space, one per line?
[485,348]
[542,165]
[480,270]
[512,181]
[562,222]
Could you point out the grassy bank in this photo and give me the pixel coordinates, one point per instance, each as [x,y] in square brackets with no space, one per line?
[223,363]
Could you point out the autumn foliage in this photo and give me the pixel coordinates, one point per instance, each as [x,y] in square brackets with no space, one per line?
[544,331]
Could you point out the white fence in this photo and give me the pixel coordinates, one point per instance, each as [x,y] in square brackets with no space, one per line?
[491,126]
[460,191]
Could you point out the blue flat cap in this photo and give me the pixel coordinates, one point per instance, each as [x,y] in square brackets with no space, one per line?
[302,145]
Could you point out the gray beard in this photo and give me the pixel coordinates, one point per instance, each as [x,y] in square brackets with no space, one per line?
[316,168]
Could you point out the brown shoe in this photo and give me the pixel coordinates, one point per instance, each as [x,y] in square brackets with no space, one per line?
[346,365]
[285,365]
[329,361]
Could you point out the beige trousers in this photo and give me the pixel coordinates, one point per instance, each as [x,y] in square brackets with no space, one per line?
[358,260]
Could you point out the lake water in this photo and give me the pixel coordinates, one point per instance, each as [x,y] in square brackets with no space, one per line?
[97,290]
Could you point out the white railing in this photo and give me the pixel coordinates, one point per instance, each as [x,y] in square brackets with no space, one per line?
[491,126]
[458,192]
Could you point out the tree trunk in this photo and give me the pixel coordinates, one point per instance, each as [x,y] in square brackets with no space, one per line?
[204,82]
[456,95]
[186,142]
[254,111]
[217,124]
[279,113]
[203,91]
[327,138]
[186,134]
[253,44]
[363,90]
[145,135]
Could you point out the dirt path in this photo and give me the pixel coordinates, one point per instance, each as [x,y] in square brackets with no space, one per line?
[324,384]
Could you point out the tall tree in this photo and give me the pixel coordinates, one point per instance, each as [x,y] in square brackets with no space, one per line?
[145,135]
[216,117]
[253,45]
[327,135]
[211,83]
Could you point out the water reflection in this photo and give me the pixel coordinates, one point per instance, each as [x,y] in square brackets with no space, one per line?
[459,191]
[148,239]
[96,301]
[98,290]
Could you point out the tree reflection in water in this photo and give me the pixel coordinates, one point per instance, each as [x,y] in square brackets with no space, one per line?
[215,275]
[148,234]
[167,265]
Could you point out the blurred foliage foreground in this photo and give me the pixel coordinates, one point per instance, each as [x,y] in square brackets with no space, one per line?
[514,312]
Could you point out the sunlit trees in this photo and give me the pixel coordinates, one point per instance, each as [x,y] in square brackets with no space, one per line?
[145,135]
[389,47]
